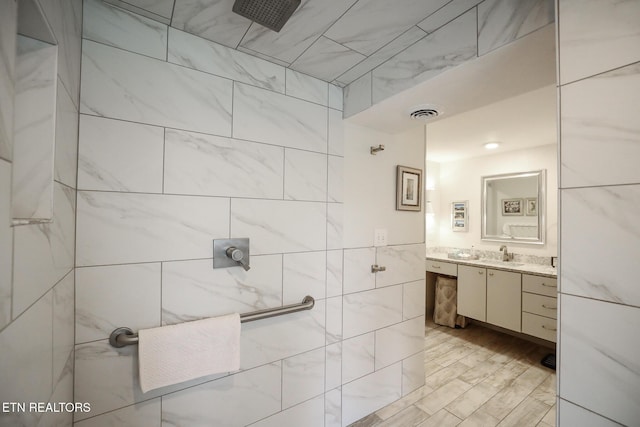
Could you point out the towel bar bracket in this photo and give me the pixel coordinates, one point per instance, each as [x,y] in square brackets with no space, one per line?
[121,337]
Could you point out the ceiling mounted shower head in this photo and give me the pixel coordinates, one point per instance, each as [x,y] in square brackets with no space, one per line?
[424,112]
[272,14]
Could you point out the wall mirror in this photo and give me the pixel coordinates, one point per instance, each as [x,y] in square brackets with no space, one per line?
[513,207]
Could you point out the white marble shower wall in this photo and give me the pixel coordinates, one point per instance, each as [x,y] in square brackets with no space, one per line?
[37,260]
[183,141]
[457,33]
[599,380]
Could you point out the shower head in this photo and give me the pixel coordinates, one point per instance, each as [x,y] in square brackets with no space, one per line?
[272,14]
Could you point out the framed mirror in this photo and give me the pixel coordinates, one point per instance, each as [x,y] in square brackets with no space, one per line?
[513,207]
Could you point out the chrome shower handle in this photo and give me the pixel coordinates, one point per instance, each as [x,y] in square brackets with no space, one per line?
[238,256]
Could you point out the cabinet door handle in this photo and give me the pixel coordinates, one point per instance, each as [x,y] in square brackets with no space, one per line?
[548,307]
[549,328]
[480,272]
[490,274]
[435,266]
[548,286]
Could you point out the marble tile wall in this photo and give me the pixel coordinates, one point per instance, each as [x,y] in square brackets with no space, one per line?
[37,282]
[599,193]
[450,36]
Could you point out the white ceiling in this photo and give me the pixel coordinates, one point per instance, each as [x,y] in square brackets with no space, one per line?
[508,95]
[333,40]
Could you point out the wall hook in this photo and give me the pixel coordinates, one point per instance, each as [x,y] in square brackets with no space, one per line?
[374,150]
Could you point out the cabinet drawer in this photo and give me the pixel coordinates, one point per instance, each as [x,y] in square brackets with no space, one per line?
[540,285]
[441,267]
[538,304]
[539,326]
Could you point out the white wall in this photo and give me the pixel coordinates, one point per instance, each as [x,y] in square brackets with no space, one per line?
[599,380]
[461,180]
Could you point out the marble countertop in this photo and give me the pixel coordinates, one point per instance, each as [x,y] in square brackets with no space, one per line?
[517,267]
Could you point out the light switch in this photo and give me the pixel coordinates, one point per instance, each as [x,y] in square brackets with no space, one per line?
[380,237]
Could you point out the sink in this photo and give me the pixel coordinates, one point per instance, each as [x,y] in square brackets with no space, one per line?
[502,263]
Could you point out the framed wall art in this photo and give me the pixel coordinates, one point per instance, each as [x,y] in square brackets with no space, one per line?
[459,216]
[408,189]
[512,207]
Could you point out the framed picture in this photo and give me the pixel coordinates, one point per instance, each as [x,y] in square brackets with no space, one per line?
[512,207]
[459,216]
[532,206]
[408,189]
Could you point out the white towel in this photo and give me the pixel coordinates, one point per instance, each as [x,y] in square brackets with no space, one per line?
[176,353]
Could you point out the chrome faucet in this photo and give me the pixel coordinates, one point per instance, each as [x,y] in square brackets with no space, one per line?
[506,256]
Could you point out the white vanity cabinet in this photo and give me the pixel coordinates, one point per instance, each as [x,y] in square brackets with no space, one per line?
[539,306]
[472,292]
[504,304]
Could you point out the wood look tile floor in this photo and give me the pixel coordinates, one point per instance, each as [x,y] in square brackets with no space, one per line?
[476,377]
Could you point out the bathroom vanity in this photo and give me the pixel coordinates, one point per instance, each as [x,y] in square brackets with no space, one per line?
[516,296]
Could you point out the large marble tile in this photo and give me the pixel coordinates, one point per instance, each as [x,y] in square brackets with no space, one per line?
[194,52]
[336,133]
[279,226]
[34,129]
[334,273]
[399,341]
[163,8]
[123,228]
[604,215]
[263,56]
[308,414]
[212,20]
[27,358]
[264,116]
[413,373]
[336,179]
[280,337]
[358,357]
[236,400]
[404,263]
[333,408]
[384,23]
[357,270]
[143,414]
[584,129]
[194,290]
[326,59]
[599,369]
[574,415]
[44,253]
[8,31]
[306,87]
[115,155]
[305,176]
[62,392]
[210,165]
[358,95]
[446,14]
[596,36]
[66,145]
[389,50]
[413,299]
[65,19]
[502,21]
[334,320]
[335,226]
[368,394]
[63,298]
[370,310]
[123,85]
[303,377]
[333,357]
[100,307]
[117,27]
[450,46]
[308,22]
[335,97]
[6,245]
[303,273]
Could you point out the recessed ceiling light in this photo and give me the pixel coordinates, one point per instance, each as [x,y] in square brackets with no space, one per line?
[491,145]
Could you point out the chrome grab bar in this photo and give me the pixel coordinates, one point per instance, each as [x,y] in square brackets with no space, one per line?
[121,337]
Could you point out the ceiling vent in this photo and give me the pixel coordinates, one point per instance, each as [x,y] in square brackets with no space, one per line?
[424,112]
[272,14]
